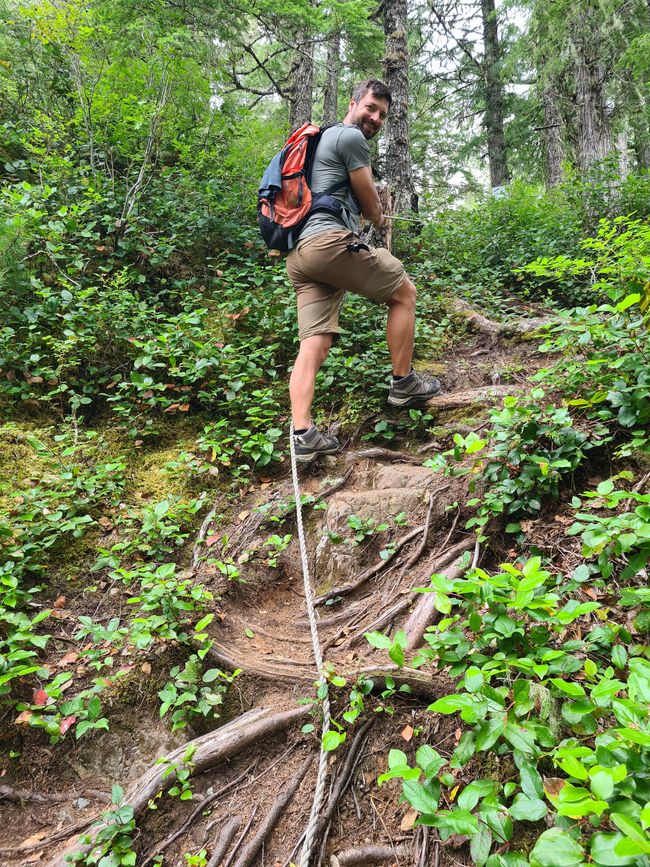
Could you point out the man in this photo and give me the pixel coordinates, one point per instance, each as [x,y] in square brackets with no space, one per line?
[327,261]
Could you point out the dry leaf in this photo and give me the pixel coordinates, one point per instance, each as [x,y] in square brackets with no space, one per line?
[68,658]
[243,515]
[407,734]
[145,668]
[212,540]
[59,602]
[408,820]
[554,785]
[105,523]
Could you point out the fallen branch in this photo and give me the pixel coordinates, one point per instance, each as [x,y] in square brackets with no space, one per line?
[272,818]
[364,855]
[476,322]
[335,486]
[209,749]
[7,793]
[224,840]
[343,589]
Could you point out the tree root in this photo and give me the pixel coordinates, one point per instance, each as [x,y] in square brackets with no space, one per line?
[341,785]
[247,826]
[494,330]
[344,589]
[380,454]
[359,856]
[423,613]
[223,843]
[486,394]
[247,856]
[221,657]
[193,815]
[7,793]
[210,749]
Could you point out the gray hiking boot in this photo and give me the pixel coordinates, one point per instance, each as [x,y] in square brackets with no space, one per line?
[412,389]
[313,443]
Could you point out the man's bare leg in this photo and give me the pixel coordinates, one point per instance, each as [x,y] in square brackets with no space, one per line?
[400,327]
[313,352]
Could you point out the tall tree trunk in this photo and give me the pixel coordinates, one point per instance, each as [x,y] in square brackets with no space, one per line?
[499,174]
[641,141]
[302,79]
[623,155]
[594,135]
[331,95]
[552,135]
[395,65]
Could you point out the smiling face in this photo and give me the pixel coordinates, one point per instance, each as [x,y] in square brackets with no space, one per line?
[369,114]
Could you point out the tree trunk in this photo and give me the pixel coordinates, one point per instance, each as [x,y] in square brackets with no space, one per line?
[331,95]
[641,142]
[302,78]
[552,135]
[499,174]
[594,136]
[395,64]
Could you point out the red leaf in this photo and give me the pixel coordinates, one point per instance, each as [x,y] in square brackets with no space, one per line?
[66,722]
[211,540]
[41,698]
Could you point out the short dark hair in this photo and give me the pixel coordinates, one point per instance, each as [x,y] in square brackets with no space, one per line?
[377,88]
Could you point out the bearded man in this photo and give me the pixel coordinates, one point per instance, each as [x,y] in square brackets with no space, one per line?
[328,260]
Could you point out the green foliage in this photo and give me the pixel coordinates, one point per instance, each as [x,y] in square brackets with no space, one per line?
[112,844]
[527,691]
[193,693]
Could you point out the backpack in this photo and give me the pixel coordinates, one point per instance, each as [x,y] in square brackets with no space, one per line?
[284,199]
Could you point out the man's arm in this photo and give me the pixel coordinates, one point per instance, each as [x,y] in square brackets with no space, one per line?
[366,194]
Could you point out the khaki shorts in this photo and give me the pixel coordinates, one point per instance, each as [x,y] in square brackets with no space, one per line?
[322,270]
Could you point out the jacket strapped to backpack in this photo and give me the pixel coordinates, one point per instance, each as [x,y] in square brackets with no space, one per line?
[285,199]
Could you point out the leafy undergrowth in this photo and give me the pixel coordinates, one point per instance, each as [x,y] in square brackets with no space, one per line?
[549,648]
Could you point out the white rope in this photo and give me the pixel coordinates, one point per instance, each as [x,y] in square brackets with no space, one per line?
[319,792]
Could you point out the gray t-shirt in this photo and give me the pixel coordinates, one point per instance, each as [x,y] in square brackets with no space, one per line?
[341,150]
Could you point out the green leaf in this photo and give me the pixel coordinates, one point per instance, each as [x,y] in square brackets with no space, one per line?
[488,733]
[429,760]
[631,830]
[474,679]
[568,687]
[602,848]
[453,821]
[332,740]
[249,633]
[527,809]
[423,797]
[531,780]
[555,848]
[520,738]
[480,845]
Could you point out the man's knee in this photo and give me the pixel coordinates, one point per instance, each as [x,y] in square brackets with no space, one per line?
[405,293]
[316,347]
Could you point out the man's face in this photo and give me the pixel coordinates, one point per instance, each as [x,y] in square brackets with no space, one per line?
[369,113]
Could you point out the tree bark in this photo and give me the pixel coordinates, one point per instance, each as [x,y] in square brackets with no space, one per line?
[496,143]
[395,65]
[331,95]
[302,80]
[594,140]
[552,135]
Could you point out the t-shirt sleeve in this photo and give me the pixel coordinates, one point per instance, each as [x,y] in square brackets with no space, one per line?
[353,149]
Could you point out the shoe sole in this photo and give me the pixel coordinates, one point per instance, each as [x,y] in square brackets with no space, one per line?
[311,456]
[409,401]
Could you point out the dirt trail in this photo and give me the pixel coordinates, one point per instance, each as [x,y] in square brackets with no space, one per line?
[261,628]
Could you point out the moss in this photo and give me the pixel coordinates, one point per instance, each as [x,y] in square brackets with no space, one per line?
[18,460]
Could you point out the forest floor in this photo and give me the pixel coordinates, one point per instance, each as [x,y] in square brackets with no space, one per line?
[362,584]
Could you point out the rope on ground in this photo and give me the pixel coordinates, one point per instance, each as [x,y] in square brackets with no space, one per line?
[312,826]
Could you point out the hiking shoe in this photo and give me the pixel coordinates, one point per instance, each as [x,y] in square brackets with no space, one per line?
[313,443]
[413,388]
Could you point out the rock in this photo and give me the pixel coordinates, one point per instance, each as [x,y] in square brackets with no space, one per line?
[403,476]
[378,504]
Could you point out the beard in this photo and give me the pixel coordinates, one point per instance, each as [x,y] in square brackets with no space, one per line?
[366,126]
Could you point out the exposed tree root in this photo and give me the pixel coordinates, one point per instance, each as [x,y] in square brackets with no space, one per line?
[484,395]
[494,330]
[20,795]
[385,455]
[223,658]
[359,856]
[343,780]
[224,840]
[423,613]
[201,806]
[344,589]
[247,826]
[248,854]
[210,749]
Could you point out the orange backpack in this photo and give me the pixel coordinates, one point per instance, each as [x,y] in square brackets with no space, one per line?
[285,199]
